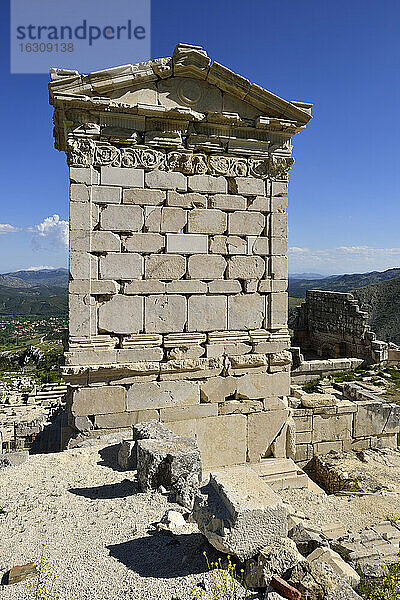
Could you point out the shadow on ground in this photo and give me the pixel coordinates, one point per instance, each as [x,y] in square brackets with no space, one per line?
[122,489]
[163,556]
[109,457]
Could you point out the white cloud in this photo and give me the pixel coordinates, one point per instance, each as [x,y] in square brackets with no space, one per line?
[6,228]
[344,259]
[39,268]
[52,231]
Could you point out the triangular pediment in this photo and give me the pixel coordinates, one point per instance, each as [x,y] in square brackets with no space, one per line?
[188,83]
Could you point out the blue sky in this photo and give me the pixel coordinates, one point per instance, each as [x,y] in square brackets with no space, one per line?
[344,193]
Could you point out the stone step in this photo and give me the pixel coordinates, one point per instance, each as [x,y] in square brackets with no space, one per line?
[280,473]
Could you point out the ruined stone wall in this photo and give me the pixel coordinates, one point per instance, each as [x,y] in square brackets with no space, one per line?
[178,268]
[332,325]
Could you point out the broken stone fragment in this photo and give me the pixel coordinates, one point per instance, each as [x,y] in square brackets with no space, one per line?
[173,463]
[306,539]
[238,513]
[13,459]
[336,562]
[127,455]
[20,573]
[275,559]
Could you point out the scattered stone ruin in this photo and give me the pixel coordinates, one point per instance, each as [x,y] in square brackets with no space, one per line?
[332,325]
[178,240]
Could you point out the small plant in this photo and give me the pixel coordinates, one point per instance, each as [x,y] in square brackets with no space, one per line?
[225,583]
[386,587]
[41,587]
[392,518]
[311,386]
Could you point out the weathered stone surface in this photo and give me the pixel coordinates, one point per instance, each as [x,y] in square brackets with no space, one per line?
[245,267]
[313,582]
[121,218]
[189,200]
[151,286]
[207,313]
[174,464]
[121,314]
[13,459]
[184,243]
[162,394]
[206,221]
[104,241]
[21,572]
[80,216]
[165,267]
[106,195]
[275,559]
[121,265]
[284,588]
[222,440]
[278,310]
[238,513]
[127,455]
[98,400]
[79,192]
[173,220]
[248,186]
[123,420]
[279,225]
[122,177]
[166,180]
[246,311]
[142,196]
[246,223]
[144,243]
[86,175]
[307,539]
[152,430]
[197,411]
[263,428]
[228,202]
[164,314]
[206,267]
[332,427]
[336,562]
[208,184]
[222,286]
[186,286]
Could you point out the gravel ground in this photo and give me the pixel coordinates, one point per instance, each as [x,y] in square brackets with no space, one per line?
[96,527]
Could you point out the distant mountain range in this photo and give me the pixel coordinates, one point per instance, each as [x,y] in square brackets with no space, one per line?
[39,293]
[307,276]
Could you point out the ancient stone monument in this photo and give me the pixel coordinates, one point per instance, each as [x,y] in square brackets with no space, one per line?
[178,239]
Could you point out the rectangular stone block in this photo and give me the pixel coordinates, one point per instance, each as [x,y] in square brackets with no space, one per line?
[260,203]
[134,355]
[279,246]
[250,186]
[245,267]
[166,180]
[186,286]
[159,266]
[224,286]
[98,400]
[246,311]
[144,243]
[143,196]
[228,202]
[125,177]
[79,192]
[207,184]
[121,266]
[330,428]
[105,241]
[271,386]
[263,428]
[152,218]
[80,217]
[80,310]
[279,188]
[198,411]
[79,241]
[86,175]
[302,423]
[173,220]
[279,225]
[279,267]
[278,313]
[279,204]
[144,287]
[165,314]
[304,452]
[82,265]
[206,221]
[162,394]
[185,243]
[206,267]
[188,200]
[207,313]
[222,440]
[121,218]
[125,419]
[106,194]
[121,314]
[261,246]
[91,357]
[103,287]
[246,223]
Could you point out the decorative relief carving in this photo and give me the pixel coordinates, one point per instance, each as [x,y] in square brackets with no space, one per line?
[279,167]
[83,152]
[229,166]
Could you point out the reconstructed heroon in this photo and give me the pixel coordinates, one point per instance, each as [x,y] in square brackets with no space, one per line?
[178,240]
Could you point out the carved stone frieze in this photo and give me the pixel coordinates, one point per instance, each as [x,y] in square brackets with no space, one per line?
[83,152]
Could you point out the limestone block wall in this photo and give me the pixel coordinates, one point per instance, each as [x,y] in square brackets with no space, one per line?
[178,241]
[332,325]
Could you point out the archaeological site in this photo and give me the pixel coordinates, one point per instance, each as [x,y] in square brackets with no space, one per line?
[196,428]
